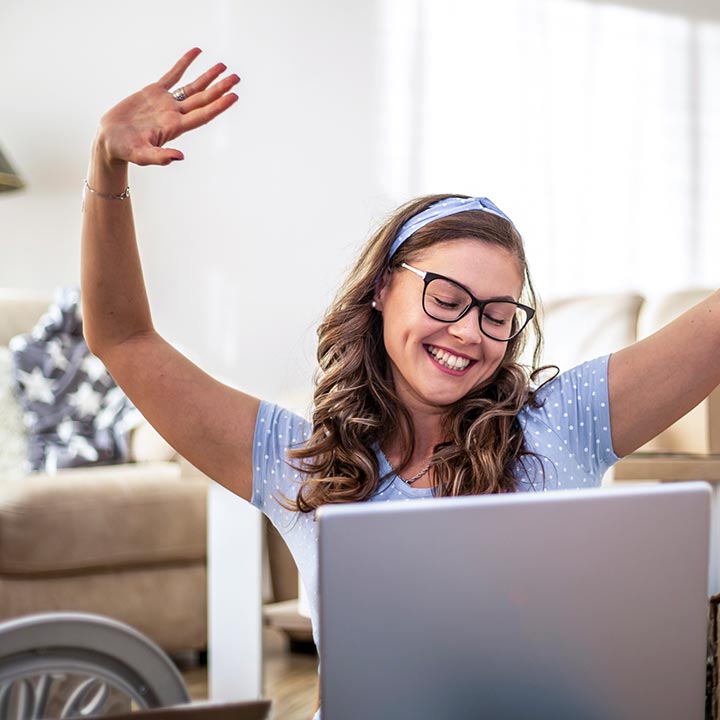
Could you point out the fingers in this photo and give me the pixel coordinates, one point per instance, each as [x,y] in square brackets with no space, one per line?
[201,99]
[157,156]
[205,99]
[205,79]
[206,113]
[174,75]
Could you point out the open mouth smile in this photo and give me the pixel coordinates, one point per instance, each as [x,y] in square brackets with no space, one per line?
[445,359]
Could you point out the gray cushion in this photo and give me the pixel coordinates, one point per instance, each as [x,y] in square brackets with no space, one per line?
[74,412]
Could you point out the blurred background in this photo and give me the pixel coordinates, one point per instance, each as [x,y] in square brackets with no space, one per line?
[596,126]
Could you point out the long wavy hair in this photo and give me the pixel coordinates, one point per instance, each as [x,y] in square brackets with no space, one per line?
[355,402]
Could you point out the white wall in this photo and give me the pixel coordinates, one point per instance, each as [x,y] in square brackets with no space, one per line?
[245,241]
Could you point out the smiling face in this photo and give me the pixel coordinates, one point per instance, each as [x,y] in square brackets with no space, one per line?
[434,364]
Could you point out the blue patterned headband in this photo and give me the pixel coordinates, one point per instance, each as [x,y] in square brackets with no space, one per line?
[441,209]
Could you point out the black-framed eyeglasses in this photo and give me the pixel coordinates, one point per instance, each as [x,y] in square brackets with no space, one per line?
[448,301]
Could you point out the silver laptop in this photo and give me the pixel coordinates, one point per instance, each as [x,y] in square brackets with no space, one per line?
[574,605]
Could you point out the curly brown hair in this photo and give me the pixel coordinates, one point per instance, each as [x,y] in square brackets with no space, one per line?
[355,400]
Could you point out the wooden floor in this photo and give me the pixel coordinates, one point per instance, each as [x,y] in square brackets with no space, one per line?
[290,679]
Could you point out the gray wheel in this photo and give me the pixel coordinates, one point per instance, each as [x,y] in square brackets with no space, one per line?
[61,665]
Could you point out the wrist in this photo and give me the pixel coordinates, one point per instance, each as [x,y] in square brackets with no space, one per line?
[120,196]
[105,173]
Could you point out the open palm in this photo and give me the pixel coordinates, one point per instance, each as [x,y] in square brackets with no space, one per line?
[137,129]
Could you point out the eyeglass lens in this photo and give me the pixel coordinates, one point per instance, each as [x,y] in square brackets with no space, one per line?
[446,301]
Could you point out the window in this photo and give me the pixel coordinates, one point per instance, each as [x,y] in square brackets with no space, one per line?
[595,127]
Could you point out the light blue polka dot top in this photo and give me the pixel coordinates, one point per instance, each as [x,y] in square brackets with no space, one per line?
[570,432]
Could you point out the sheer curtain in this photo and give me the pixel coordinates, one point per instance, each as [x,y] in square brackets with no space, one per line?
[596,127]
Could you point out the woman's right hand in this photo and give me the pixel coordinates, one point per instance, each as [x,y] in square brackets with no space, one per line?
[137,129]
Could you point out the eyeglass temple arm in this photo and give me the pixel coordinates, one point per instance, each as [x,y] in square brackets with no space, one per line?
[419,273]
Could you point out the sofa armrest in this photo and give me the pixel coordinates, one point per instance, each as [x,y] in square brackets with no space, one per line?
[77,478]
[101,517]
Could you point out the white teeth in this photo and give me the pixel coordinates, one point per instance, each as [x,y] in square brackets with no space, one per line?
[450,361]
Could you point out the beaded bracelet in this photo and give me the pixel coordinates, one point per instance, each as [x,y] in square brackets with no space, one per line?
[124,195]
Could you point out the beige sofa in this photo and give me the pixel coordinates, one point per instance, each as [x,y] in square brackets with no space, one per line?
[127,541]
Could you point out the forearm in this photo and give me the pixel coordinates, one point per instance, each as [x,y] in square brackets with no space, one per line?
[655,381]
[115,305]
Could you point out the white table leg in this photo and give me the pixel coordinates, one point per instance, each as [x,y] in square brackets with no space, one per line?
[234,597]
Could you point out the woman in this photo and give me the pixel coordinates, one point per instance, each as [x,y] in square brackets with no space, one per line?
[419,391]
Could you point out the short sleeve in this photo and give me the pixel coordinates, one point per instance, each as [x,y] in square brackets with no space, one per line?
[276,431]
[568,429]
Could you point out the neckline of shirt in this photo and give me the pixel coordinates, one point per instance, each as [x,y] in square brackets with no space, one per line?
[397,482]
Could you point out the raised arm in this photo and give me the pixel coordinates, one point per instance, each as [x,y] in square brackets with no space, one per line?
[209,423]
[657,380]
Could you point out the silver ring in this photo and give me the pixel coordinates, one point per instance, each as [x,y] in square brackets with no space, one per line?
[180,94]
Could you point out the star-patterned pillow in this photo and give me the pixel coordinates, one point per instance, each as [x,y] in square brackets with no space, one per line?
[74,412]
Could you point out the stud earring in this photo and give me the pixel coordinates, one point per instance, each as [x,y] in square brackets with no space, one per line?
[374,305]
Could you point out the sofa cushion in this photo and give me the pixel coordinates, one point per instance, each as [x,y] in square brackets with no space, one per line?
[19,311]
[101,518]
[167,603]
[585,327]
[13,441]
[147,445]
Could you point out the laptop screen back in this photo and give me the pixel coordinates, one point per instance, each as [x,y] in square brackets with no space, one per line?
[565,605]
